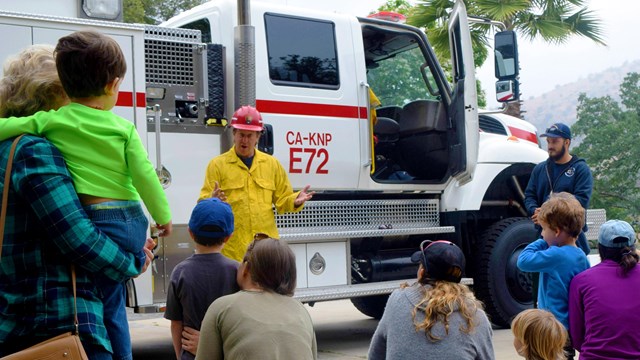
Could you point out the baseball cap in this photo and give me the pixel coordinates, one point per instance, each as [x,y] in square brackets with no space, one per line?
[558,130]
[616,234]
[442,260]
[211,212]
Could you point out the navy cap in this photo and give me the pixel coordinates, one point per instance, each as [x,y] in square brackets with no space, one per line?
[616,234]
[208,212]
[442,260]
[558,130]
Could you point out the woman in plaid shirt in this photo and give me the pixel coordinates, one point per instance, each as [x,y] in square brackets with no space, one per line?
[46,230]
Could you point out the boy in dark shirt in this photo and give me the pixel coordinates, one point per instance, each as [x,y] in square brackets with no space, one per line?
[204,276]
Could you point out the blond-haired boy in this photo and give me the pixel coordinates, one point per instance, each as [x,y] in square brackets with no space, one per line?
[556,256]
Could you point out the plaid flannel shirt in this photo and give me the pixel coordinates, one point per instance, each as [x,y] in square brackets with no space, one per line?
[45,231]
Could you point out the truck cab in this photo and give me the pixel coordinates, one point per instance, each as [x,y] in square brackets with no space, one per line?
[321,66]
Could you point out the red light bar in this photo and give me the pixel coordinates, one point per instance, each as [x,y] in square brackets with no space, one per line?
[389,16]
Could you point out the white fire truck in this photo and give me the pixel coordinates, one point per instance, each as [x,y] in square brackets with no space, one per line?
[430,168]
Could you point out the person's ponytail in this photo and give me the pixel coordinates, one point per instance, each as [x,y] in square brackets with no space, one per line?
[628,259]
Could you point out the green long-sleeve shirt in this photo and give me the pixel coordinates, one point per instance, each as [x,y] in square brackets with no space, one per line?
[103,151]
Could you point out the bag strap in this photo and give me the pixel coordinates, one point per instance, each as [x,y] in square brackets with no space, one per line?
[75,299]
[5,191]
[3,216]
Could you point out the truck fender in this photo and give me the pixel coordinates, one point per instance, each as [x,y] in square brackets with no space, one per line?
[496,154]
[469,196]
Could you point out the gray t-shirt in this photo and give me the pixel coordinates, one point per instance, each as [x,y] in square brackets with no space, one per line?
[396,336]
[257,325]
[195,283]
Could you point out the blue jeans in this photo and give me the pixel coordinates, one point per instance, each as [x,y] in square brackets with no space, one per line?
[125,223]
[95,352]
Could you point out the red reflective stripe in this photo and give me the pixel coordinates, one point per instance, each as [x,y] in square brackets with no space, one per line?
[141,100]
[523,134]
[125,98]
[296,108]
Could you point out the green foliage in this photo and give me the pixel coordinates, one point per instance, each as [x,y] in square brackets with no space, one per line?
[155,11]
[554,21]
[397,80]
[433,16]
[133,11]
[609,133]
[400,6]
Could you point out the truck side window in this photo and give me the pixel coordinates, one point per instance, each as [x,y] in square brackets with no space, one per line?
[204,27]
[302,52]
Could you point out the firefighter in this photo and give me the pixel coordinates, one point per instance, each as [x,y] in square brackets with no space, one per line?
[251,181]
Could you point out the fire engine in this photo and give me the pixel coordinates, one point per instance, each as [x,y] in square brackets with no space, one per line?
[431,167]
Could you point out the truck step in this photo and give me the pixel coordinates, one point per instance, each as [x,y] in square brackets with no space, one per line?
[355,290]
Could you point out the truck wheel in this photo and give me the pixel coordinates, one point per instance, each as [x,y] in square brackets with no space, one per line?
[504,289]
[371,305]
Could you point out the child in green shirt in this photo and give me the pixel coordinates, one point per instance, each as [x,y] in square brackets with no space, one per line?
[105,156]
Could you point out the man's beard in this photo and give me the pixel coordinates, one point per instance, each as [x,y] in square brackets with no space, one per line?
[559,155]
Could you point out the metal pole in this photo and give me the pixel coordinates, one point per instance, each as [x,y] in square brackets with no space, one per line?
[244,52]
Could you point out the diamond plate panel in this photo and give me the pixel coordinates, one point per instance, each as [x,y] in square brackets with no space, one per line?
[352,215]
[595,218]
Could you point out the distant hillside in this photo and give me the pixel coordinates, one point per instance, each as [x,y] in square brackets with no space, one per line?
[559,104]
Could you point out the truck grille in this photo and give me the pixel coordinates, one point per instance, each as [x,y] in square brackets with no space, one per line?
[169,55]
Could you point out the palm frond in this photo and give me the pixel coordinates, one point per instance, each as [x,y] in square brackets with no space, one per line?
[584,23]
[501,10]
[532,26]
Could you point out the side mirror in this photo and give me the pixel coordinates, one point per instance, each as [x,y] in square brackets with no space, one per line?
[265,144]
[506,55]
[507,90]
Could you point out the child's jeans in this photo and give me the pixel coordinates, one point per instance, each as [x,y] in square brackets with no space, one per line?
[125,223]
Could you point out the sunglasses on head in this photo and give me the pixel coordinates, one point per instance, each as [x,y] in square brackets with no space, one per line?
[260,236]
[425,245]
[554,129]
[256,237]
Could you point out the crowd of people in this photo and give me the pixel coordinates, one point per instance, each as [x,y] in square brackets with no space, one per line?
[74,203]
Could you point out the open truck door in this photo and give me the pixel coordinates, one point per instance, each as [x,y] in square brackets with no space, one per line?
[464,103]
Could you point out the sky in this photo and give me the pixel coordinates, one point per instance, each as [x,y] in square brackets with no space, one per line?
[543,66]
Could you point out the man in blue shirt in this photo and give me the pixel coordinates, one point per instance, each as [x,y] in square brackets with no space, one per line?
[560,172]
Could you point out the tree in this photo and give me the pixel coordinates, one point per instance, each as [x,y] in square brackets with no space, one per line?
[609,132]
[401,70]
[400,6]
[155,11]
[555,21]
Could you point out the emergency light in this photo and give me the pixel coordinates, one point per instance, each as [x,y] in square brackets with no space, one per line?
[102,9]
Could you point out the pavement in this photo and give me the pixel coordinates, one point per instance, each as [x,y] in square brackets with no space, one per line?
[342,332]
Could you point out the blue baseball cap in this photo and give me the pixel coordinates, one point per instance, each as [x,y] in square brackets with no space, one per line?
[558,130]
[211,212]
[616,234]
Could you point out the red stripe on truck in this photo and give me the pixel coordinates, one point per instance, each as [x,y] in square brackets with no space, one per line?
[297,108]
[125,98]
[523,134]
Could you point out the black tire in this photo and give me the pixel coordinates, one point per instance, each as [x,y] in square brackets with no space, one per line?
[371,305]
[504,289]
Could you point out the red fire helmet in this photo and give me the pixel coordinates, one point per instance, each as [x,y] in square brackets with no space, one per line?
[247,118]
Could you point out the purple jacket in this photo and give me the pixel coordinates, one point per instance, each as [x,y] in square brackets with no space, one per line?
[604,312]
